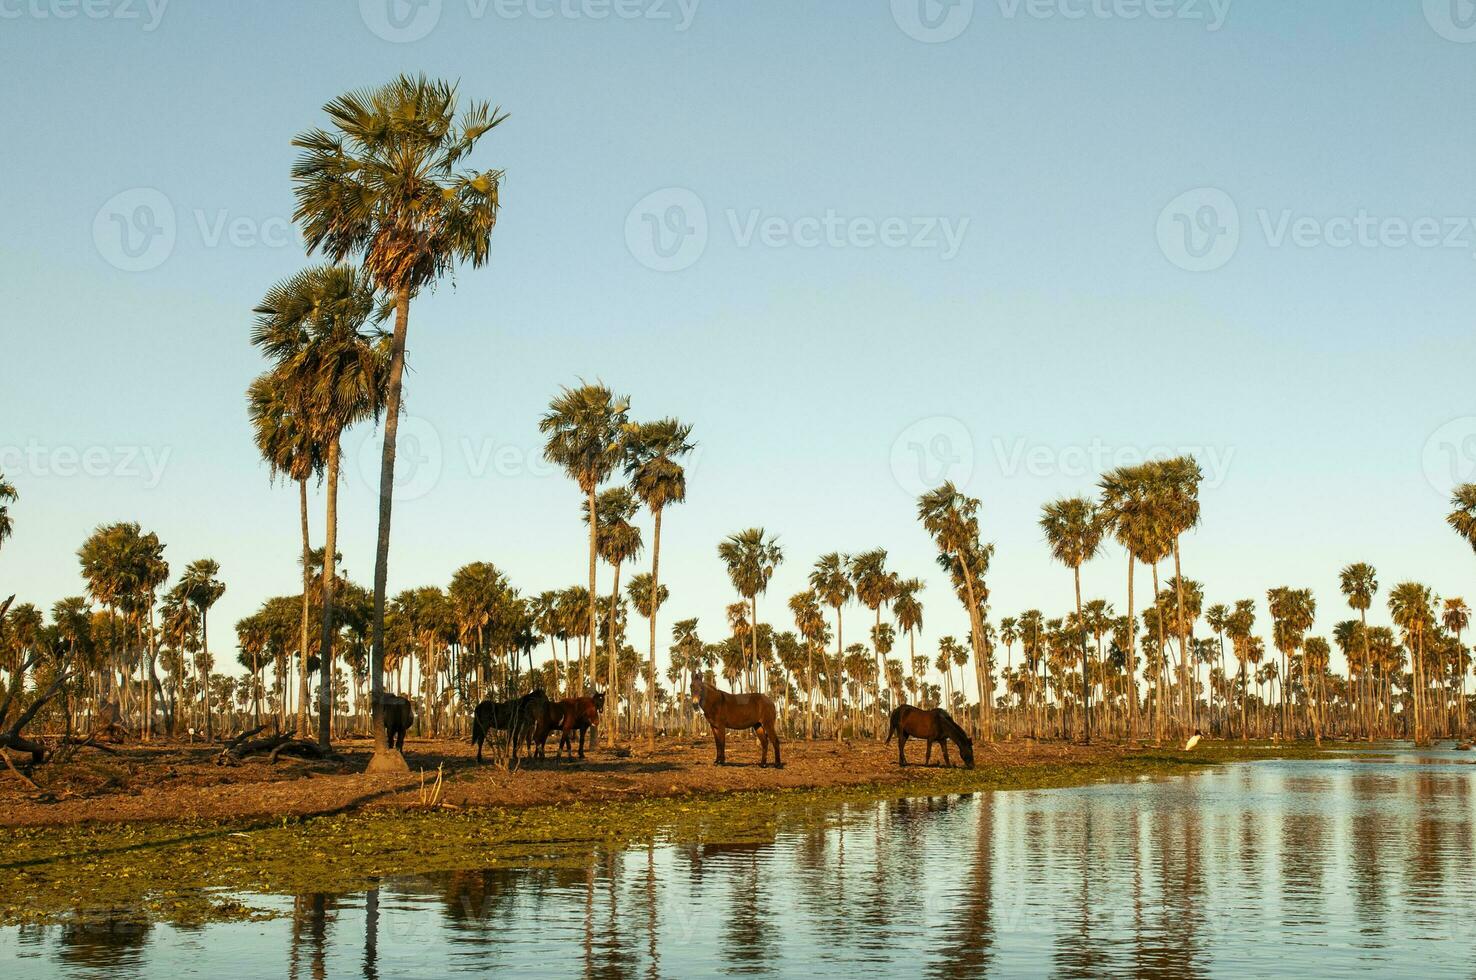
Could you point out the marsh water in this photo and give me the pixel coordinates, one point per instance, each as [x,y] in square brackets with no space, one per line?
[1365,861]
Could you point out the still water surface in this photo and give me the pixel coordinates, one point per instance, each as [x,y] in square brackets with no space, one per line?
[1306,868]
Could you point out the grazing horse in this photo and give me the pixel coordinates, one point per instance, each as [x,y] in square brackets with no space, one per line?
[398,715]
[566,717]
[935,726]
[516,716]
[725,711]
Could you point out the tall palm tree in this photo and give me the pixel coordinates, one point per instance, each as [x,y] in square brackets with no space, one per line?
[647,597]
[8,496]
[287,443]
[1360,583]
[386,183]
[618,541]
[659,480]
[203,589]
[951,518]
[810,621]
[907,609]
[1456,616]
[1293,612]
[586,427]
[751,556]
[1178,480]
[831,582]
[1238,625]
[1133,512]
[1074,530]
[875,586]
[314,326]
[1409,604]
[1217,617]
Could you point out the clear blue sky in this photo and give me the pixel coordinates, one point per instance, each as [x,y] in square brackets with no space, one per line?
[1062,324]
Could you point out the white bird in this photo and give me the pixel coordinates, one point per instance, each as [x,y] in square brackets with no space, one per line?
[1193,740]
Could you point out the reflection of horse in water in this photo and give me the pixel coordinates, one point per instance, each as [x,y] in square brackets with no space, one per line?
[725,711]
[935,726]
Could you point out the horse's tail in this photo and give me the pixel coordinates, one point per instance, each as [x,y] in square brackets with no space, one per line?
[892,726]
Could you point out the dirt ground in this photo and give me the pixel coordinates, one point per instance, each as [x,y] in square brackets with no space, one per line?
[178,781]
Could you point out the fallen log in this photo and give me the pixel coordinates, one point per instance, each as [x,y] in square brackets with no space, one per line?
[302,748]
[258,746]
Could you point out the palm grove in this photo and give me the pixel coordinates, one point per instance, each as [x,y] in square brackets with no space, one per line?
[386,195]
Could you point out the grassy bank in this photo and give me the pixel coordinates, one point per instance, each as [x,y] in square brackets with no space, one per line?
[184,871]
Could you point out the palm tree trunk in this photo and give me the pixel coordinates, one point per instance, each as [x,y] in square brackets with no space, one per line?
[325,636]
[1184,654]
[205,673]
[840,677]
[307,584]
[612,670]
[594,628]
[1086,684]
[655,605]
[384,760]
[1130,662]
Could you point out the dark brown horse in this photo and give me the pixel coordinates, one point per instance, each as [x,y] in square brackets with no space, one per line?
[516,716]
[725,711]
[566,717]
[398,715]
[935,726]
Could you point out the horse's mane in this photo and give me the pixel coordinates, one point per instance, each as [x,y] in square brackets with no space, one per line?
[955,730]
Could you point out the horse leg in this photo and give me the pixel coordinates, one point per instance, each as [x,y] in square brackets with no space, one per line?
[774,737]
[928,756]
[946,761]
[719,737]
[902,749]
[763,740]
[582,730]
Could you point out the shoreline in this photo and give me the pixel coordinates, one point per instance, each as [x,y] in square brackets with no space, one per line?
[190,870]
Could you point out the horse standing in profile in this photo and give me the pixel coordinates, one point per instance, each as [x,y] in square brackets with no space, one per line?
[566,717]
[725,711]
[934,725]
[516,716]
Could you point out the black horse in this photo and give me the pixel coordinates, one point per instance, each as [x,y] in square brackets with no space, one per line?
[399,716]
[935,726]
[517,716]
